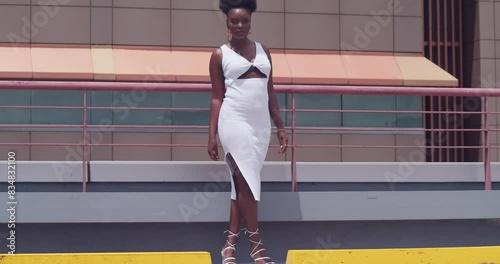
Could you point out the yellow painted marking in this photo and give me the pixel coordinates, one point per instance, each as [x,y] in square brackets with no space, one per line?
[462,255]
[109,258]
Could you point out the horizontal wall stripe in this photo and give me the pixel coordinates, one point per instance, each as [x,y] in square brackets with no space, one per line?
[181,64]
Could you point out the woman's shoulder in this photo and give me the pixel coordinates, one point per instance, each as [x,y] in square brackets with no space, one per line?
[264,48]
[216,56]
[262,45]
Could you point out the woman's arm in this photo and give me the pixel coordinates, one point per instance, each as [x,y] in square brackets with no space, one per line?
[273,102]
[217,79]
[274,110]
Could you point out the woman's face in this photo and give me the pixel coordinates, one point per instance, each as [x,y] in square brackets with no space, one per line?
[238,22]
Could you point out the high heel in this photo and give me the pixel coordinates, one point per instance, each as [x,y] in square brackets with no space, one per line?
[254,250]
[229,260]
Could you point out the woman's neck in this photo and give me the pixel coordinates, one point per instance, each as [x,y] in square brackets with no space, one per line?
[239,44]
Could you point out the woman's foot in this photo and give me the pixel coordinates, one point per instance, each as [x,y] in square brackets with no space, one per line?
[227,252]
[257,250]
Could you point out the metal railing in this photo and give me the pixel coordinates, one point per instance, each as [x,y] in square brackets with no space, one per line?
[292,90]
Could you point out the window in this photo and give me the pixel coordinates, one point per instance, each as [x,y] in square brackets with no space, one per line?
[129,100]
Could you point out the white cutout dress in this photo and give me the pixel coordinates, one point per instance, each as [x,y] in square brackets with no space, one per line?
[244,124]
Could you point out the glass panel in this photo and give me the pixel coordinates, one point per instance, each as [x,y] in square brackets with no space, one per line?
[57,116]
[134,100]
[100,99]
[317,101]
[409,103]
[369,102]
[14,98]
[286,117]
[191,100]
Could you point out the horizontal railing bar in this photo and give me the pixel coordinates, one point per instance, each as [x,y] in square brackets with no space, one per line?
[41,144]
[401,129]
[147,108]
[280,88]
[39,126]
[351,129]
[40,107]
[207,109]
[384,146]
[381,111]
[204,145]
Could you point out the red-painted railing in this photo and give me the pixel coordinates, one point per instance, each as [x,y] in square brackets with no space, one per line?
[289,89]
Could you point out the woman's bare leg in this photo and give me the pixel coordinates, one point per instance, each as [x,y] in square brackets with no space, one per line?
[247,210]
[234,220]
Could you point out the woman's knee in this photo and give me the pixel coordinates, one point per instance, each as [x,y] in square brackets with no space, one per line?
[241,184]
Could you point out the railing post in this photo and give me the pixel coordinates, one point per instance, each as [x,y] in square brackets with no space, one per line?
[294,152]
[487,161]
[84,158]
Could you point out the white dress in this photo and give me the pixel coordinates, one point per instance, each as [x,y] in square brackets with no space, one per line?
[244,124]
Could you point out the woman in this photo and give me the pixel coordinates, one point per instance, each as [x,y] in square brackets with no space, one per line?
[243,103]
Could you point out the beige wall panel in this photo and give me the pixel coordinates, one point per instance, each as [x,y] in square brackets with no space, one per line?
[483,49]
[269,29]
[101,26]
[363,7]
[307,31]
[497,64]
[330,154]
[196,4]
[106,3]
[57,153]
[414,154]
[69,25]
[141,153]
[62,2]
[101,152]
[271,6]
[486,20]
[142,3]
[408,35]
[497,21]
[484,73]
[15,25]
[366,33]
[141,27]
[198,28]
[408,8]
[22,152]
[192,153]
[312,6]
[15,2]
[368,154]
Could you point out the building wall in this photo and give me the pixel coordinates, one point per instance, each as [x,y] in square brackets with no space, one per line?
[376,25]
[482,59]
[73,153]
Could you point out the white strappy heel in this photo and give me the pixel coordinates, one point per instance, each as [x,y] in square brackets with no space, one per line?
[229,260]
[254,250]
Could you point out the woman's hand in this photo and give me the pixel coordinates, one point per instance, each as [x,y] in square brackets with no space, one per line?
[283,141]
[213,150]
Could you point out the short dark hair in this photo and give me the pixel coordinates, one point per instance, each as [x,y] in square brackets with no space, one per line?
[226,5]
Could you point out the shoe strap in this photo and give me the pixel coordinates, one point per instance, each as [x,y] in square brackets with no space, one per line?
[231,234]
[256,232]
[257,244]
[230,245]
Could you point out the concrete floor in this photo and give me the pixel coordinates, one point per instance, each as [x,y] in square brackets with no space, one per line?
[277,237]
